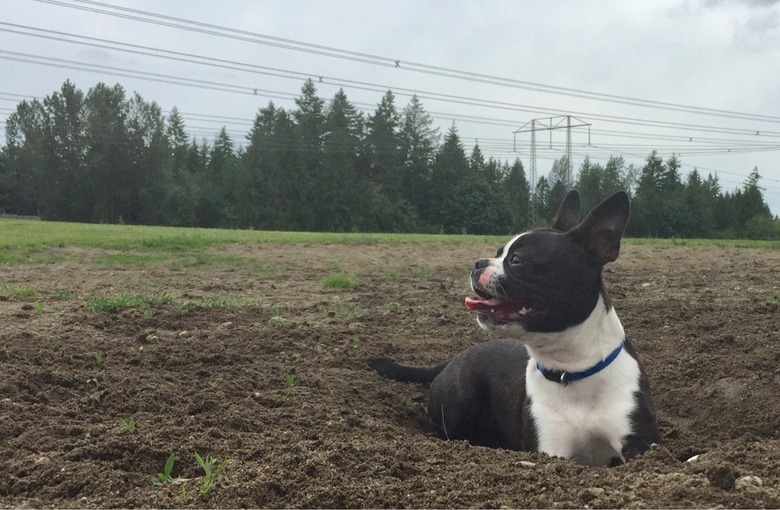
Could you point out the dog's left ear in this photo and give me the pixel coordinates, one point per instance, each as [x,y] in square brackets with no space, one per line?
[568,215]
[603,229]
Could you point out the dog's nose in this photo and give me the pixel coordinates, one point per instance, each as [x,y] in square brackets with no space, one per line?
[481,264]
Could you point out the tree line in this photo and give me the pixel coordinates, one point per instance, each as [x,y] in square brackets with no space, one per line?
[104,156]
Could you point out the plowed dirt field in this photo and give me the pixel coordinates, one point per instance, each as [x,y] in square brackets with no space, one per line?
[255,362]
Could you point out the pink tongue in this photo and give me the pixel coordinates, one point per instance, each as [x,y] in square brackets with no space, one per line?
[482,304]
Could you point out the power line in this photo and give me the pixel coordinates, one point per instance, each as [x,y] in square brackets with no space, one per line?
[222,31]
[361,85]
[699,140]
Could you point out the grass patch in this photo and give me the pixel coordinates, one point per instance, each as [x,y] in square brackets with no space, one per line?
[422,272]
[62,294]
[276,319]
[30,255]
[130,259]
[17,291]
[344,310]
[211,302]
[333,267]
[16,257]
[398,308]
[772,300]
[337,281]
[203,259]
[122,301]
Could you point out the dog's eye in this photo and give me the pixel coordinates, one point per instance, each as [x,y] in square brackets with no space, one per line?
[515,260]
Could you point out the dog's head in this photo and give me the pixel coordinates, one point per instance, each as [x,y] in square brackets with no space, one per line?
[548,280]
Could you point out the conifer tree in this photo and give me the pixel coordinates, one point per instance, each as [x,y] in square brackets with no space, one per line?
[517,198]
[418,148]
[384,144]
[302,179]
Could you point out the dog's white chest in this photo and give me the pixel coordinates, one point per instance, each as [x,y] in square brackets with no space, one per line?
[588,420]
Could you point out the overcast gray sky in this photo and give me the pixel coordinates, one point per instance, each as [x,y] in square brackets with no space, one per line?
[689,63]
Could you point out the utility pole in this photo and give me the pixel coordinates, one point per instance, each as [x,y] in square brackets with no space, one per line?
[549,124]
[532,188]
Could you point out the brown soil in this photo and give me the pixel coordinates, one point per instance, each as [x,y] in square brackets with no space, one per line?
[276,383]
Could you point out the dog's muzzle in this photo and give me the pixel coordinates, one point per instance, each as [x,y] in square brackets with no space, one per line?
[492,308]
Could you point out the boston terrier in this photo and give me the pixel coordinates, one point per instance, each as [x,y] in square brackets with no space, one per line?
[563,379]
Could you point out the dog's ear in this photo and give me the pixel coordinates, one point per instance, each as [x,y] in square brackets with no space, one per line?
[603,228]
[568,215]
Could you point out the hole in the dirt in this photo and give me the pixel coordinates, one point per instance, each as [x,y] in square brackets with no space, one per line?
[687,453]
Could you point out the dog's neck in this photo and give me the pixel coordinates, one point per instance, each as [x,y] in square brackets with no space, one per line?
[579,347]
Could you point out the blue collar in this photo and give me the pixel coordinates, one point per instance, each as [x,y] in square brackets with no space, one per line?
[564,378]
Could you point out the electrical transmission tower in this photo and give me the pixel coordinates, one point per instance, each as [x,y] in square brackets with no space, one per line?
[549,124]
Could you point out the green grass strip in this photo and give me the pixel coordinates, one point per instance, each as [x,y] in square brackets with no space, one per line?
[32,236]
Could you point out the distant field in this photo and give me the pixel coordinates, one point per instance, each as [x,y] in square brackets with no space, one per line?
[37,236]
[42,234]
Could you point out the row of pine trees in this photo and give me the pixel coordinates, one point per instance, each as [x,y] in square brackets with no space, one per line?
[102,156]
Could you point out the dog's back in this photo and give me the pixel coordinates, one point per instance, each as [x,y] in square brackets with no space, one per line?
[479,396]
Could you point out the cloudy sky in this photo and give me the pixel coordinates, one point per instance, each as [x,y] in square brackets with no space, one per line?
[695,78]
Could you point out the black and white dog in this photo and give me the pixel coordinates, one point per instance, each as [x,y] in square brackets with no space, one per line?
[565,380]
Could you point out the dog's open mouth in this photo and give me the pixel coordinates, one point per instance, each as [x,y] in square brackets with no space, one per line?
[501,311]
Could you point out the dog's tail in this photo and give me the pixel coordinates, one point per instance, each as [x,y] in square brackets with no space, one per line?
[392,370]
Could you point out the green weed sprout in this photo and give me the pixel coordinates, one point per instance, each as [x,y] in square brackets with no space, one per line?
[98,361]
[289,384]
[165,476]
[211,472]
[337,281]
[129,425]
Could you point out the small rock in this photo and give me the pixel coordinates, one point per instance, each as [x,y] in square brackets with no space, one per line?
[749,481]
[527,463]
[43,459]
[591,493]
[184,333]
[226,324]
[693,459]
[645,285]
